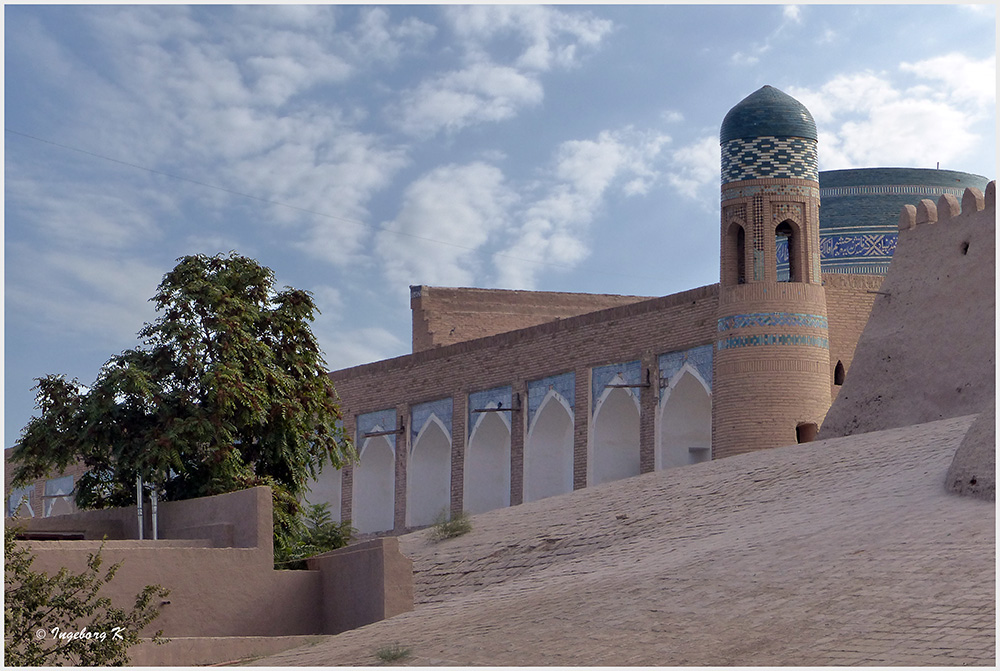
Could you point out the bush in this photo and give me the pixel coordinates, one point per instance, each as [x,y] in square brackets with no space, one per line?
[313,533]
[458,525]
[38,608]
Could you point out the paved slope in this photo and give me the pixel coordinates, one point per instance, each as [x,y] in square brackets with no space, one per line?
[846,551]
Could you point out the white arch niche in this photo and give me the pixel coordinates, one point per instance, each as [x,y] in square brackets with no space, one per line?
[326,488]
[684,435]
[428,475]
[487,464]
[374,500]
[614,435]
[548,450]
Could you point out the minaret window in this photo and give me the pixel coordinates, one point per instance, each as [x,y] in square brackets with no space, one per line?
[786,247]
[736,263]
[838,374]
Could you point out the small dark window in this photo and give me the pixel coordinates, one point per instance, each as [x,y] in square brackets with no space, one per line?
[741,257]
[806,433]
[838,373]
[786,242]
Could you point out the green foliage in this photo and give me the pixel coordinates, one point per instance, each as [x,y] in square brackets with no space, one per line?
[312,533]
[392,653]
[227,391]
[458,525]
[35,604]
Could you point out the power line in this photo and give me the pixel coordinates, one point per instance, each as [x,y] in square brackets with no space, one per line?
[304,210]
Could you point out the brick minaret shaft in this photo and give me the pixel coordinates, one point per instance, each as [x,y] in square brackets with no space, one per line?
[772,357]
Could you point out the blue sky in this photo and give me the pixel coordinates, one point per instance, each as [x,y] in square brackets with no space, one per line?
[357,150]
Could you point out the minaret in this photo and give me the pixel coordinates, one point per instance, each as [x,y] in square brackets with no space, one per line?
[772,356]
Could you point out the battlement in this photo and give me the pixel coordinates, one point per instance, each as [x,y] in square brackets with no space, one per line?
[948,208]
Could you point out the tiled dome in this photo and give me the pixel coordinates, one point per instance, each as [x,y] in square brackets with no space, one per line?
[768,112]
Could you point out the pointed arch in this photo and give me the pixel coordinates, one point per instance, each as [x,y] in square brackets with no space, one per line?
[789,233]
[487,464]
[428,474]
[548,449]
[614,435]
[735,254]
[373,503]
[684,432]
[839,374]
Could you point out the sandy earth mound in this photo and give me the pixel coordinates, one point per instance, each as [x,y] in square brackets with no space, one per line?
[845,551]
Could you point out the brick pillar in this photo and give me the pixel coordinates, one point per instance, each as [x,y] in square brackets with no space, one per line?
[581,426]
[347,473]
[459,432]
[403,419]
[518,427]
[649,399]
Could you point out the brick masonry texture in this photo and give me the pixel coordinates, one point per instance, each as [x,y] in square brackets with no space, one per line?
[640,330]
[444,315]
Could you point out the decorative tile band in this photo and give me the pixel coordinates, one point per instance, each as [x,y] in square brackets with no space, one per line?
[784,339]
[804,192]
[602,375]
[772,319]
[890,190]
[857,246]
[769,157]
[422,413]
[699,357]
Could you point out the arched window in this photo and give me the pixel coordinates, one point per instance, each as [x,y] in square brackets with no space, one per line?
[736,261]
[787,244]
[838,374]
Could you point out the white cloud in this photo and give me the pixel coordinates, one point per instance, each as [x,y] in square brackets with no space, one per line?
[548,37]
[792,13]
[585,172]
[694,169]
[99,295]
[867,118]
[959,79]
[343,349]
[482,92]
[445,217]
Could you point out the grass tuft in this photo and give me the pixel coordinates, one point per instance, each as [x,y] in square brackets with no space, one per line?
[392,653]
[458,525]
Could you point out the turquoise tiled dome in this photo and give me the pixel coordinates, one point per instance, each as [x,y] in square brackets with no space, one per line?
[768,112]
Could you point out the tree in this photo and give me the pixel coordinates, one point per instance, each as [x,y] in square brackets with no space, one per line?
[51,620]
[227,391]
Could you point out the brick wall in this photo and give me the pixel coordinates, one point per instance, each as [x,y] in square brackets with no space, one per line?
[445,315]
[640,330]
[849,300]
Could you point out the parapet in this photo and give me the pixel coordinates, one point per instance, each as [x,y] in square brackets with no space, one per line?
[948,208]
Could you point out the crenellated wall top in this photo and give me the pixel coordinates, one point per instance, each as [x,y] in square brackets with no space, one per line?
[948,207]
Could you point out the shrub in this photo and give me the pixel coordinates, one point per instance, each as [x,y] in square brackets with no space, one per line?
[458,525]
[38,608]
[313,533]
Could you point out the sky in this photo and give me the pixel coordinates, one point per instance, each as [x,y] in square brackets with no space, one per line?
[360,149]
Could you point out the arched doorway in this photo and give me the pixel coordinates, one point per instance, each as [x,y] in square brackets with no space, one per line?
[548,450]
[614,452]
[684,435]
[428,475]
[487,464]
[374,502]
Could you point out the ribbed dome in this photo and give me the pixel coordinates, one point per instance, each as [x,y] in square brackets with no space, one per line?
[768,112]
